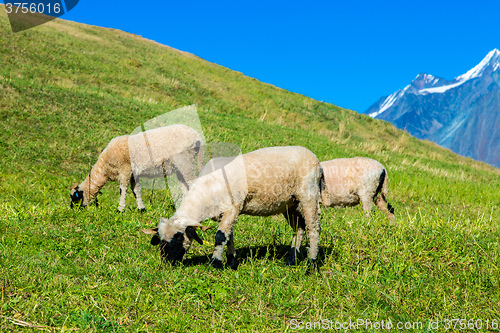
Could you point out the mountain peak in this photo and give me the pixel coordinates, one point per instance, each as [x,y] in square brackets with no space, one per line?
[491,61]
[422,81]
[424,84]
[424,77]
[455,114]
[489,64]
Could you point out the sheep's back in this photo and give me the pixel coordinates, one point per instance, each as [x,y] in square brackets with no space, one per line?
[279,177]
[150,148]
[263,182]
[346,178]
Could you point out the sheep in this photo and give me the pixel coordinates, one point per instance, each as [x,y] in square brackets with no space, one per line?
[268,181]
[157,152]
[349,181]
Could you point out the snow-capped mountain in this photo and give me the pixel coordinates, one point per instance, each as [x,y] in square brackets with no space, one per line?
[462,114]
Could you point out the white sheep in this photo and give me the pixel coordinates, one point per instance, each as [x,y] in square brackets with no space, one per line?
[350,181]
[154,153]
[268,181]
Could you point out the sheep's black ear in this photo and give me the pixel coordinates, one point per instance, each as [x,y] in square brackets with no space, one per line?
[191,233]
[155,240]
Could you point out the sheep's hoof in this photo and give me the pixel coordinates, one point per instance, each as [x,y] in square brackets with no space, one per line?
[312,266]
[119,211]
[232,262]
[291,259]
[217,263]
[141,210]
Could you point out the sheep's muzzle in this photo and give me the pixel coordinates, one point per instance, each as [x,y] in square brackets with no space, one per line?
[173,250]
[76,196]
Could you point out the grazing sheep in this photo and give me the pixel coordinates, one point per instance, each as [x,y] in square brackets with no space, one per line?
[268,181]
[350,181]
[154,153]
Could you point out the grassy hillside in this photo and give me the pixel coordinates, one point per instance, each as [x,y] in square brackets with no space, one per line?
[67,89]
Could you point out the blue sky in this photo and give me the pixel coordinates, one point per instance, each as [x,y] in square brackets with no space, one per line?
[349,53]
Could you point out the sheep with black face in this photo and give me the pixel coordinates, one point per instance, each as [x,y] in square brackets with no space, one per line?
[154,153]
[268,181]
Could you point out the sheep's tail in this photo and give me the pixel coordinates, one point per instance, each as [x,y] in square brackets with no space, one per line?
[383,188]
[385,185]
[322,186]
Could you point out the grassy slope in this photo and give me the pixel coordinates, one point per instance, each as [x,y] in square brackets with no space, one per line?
[66,89]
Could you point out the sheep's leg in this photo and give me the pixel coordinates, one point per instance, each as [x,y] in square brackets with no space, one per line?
[123,196]
[232,260]
[310,212]
[222,237]
[298,225]
[366,203]
[384,206]
[135,186]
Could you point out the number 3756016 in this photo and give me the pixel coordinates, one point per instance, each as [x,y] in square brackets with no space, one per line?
[23,7]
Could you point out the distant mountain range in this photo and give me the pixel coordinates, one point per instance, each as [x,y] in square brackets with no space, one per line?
[462,114]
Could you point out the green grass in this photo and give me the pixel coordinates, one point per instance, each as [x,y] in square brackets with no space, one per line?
[67,89]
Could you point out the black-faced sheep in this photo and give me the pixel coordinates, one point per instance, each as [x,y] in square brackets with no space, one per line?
[154,153]
[350,181]
[268,181]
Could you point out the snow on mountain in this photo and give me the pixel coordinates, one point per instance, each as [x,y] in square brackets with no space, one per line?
[424,84]
[388,102]
[422,81]
[462,114]
[440,89]
[492,60]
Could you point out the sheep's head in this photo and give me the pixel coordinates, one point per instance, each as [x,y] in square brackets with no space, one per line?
[76,195]
[174,237]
